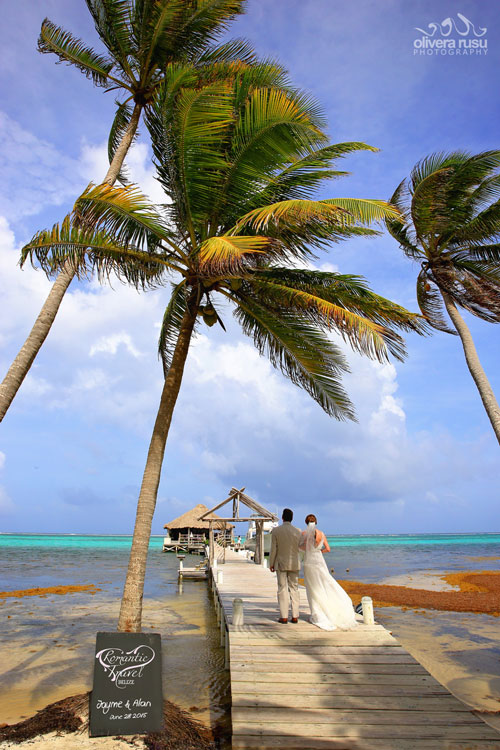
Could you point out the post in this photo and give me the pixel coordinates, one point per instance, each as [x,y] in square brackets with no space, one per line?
[222,629]
[259,542]
[238,614]
[220,577]
[226,653]
[211,546]
[367,605]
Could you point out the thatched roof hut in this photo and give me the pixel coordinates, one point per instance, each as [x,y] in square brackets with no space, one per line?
[189,522]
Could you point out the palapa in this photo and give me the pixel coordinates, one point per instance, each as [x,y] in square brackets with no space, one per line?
[191,520]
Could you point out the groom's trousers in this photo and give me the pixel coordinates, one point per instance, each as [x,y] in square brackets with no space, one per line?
[288,591]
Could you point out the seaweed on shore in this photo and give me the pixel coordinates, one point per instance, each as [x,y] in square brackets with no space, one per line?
[181,731]
[63,716]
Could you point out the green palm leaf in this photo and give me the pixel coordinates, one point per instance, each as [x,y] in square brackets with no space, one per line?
[300,351]
[93,250]
[430,302]
[72,50]
[124,213]
[171,324]
[112,21]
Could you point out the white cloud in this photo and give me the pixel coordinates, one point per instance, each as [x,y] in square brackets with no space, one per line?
[110,344]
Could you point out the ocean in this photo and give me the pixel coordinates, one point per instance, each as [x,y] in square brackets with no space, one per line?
[47,642]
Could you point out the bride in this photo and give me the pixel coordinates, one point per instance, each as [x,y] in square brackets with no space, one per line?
[331,607]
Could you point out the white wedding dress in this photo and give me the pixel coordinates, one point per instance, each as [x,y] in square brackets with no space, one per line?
[330,606]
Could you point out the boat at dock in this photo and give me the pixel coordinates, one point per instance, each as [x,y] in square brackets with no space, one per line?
[250,538]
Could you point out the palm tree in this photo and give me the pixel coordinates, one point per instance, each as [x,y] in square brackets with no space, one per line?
[146,40]
[451,226]
[240,165]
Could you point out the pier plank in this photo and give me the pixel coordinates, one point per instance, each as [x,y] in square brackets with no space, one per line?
[271,742]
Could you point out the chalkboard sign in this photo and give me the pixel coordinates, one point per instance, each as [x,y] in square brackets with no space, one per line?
[127,693]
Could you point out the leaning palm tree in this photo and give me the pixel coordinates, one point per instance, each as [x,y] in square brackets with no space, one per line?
[146,41]
[451,211]
[240,166]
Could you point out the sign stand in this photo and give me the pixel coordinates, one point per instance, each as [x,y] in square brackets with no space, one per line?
[127,693]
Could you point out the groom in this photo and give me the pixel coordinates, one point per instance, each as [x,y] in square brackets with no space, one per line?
[284,558]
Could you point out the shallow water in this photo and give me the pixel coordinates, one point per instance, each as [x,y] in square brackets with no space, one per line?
[47,643]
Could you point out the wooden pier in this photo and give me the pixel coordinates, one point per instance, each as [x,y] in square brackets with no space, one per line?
[296,687]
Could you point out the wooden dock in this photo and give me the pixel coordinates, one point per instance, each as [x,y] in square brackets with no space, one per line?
[300,688]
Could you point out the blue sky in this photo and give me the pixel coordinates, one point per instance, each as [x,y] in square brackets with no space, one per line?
[422,456]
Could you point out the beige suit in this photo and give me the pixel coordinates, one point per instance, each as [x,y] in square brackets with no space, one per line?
[284,558]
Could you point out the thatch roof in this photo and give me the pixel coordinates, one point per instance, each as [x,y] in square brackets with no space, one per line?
[190,520]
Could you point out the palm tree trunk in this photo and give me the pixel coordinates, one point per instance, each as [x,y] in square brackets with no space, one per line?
[476,370]
[26,356]
[131,605]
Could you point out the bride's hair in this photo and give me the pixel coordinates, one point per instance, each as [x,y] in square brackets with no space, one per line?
[311,518]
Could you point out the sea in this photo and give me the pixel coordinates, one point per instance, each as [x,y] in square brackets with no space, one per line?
[47,643]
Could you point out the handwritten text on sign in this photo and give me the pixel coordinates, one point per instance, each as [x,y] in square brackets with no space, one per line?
[127,694]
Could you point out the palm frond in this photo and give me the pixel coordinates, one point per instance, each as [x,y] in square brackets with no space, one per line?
[293,212]
[366,211]
[69,49]
[435,163]
[235,50]
[171,324]
[336,213]
[177,29]
[484,227]
[225,255]
[192,162]
[93,250]
[305,173]
[124,213]
[302,353]
[112,19]
[344,303]
[431,303]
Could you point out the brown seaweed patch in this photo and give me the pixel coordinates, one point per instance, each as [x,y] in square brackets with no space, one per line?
[479,593]
[60,590]
[71,714]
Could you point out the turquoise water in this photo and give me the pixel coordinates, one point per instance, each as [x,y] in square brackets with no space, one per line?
[117,541]
[122,541]
[29,560]
[384,539]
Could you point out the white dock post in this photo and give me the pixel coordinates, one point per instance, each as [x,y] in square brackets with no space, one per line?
[367,605]
[238,614]
[264,563]
[220,576]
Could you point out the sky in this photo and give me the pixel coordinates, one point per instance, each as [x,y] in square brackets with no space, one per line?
[422,456]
